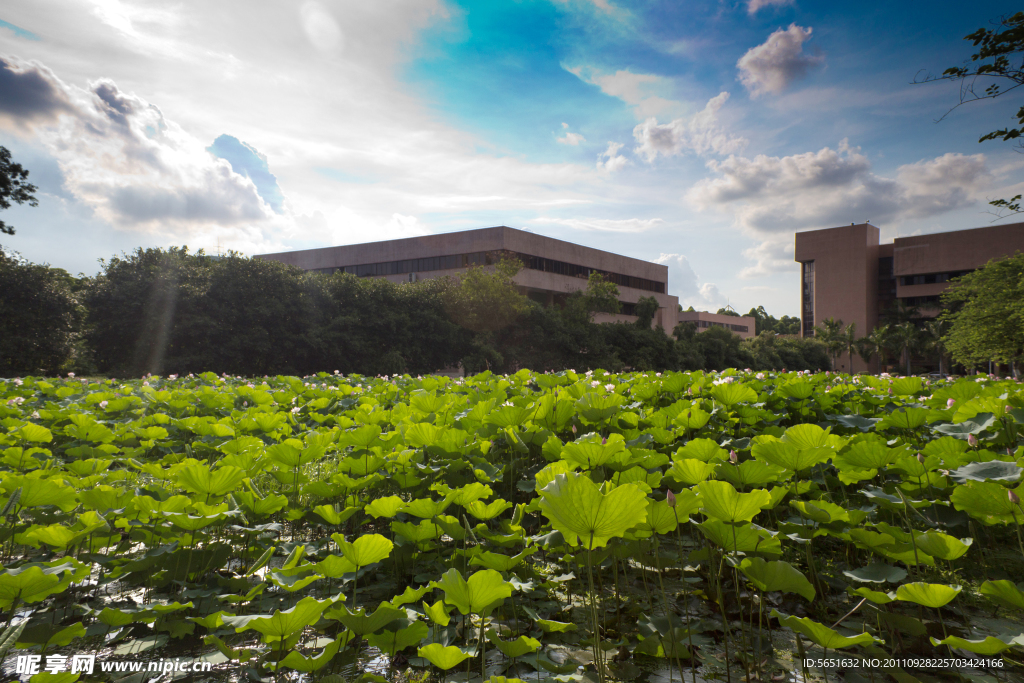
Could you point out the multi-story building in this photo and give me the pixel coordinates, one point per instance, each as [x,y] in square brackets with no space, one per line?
[552,270]
[847,275]
[740,325]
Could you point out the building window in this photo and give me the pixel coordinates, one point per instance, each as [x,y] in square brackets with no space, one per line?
[931,278]
[807,297]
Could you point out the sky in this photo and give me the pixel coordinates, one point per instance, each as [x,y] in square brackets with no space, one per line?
[701,135]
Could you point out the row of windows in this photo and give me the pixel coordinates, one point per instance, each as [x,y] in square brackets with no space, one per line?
[728,326]
[486,258]
[931,278]
[927,301]
[807,294]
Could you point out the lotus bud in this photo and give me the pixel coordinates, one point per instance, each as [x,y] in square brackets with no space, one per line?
[972,441]
[950,402]
[574,429]
[733,457]
[1008,408]
[920,458]
[671,498]
[1014,498]
[604,441]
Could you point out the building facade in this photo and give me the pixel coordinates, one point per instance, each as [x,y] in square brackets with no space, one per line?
[846,274]
[553,269]
[742,325]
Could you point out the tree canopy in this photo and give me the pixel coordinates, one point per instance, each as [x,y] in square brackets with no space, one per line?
[986,314]
[14,187]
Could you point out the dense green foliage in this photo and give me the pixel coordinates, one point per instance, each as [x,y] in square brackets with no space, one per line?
[719,523]
[14,187]
[157,311]
[986,314]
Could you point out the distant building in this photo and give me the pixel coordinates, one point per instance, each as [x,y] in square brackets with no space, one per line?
[742,325]
[847,275]
[553,269]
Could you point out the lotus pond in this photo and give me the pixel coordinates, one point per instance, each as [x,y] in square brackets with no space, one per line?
[642,526]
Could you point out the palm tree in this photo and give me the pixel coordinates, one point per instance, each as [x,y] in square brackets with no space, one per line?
[828,334]
[875,343]
[848,340]
[900,312]
[905,337]
[936,329]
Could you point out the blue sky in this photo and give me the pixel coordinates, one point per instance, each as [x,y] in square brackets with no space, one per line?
[701,135]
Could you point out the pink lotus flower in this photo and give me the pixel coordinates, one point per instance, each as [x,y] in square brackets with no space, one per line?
[920,458]
[733,458]
[972,441]
[950,402]
[671,498]
[1008,408]
[1014,498]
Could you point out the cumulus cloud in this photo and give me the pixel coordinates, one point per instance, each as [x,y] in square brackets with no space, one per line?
[646,93]
[131,165]
[571,139]
[684,283]
[247,161]
[28,94]
[771,256]
[610,160]
[604,224]
[834,187]
[700,133]
[772,66]
[754,5]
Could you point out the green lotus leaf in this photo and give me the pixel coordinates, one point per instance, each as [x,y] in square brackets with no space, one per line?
[821,511]
[498,562]
[733,393]
[35,433]
[993,470]
[877,597]
[516,648]
[484,591]
[747,538]
[575,506]
[942,546]
[199,479]
[595,407]
[947,449]
[986,501]
[906,386]
[877,572]
[333,516]
[426,530]
[55,535]
[1004,593]
[860,422]
[365,550]
[443,657]
[409,596]
[589,452]
[298,662]
[485,512]
[362,436]
[391,642]
[421,435]
[992,645]
[40,492]
[387,506]
[867,454]
[723,502]
[661,519]
[704,450]
[360,623]
[798,389]
[785,454]
[32,583]
[282,623]
[426,508]
[776,576]
[749,473]
[437,613]
[508,416]
[692,419]
[933,595]
[48,635]
[903,418]
[690,471]
[822,635]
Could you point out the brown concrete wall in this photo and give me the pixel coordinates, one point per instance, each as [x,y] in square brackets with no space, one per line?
[958,250]
[845,278]
[696,316]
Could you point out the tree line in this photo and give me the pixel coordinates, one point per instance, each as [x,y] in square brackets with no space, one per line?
[175,311]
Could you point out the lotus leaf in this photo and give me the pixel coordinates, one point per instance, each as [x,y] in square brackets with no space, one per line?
[575,506]
[933,595]
[776,576]
[443,657]
[723,502]
[1004,593]
[484,591]
[820,634]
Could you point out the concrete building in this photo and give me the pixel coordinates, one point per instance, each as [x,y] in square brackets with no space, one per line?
[553,269]
[742,326]
[847,275]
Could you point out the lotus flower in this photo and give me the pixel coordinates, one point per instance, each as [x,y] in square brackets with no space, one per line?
[671,498]
[1014,498]
[1008,408]
[920,458]
[972,441]
[950,402]
[71,374]
[733,457]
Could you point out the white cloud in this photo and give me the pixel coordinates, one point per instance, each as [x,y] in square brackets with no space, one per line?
[828,188]
[646,93]
[684,283]
[700,133]
[571,139]
[603,224]
[613,161]
[772,66]
[771,256]
[321,27]
[754,5]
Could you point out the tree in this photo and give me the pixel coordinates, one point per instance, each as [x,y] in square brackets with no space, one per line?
[828,334]
[14,187]
[905,337]
[876,343]
[486,299]
[848,339]
[600,296]
[935,330]
[646,308]
[986,314]
[999,63]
